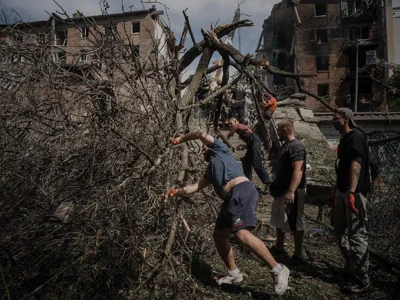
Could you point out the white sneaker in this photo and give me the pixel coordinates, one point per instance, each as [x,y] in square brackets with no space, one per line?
[281,280]
[228,279]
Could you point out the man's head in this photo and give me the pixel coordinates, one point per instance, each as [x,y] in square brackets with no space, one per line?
[343,120]
[286,130]
[233,121]
[206,153]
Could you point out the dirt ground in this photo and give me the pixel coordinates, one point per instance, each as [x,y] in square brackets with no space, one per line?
[321,276]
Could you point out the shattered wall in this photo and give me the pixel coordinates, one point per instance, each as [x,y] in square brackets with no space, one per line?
[318,37]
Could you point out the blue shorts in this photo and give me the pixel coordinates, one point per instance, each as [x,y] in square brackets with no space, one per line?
[239,208]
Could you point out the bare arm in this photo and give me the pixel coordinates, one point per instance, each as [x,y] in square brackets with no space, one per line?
[295,181]
[355,169]
[193,188]
[297,175]
[233,130]
[205,138]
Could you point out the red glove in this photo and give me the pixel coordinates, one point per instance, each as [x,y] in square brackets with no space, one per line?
[175,141]
[352,200]
[171,193]
[331,198]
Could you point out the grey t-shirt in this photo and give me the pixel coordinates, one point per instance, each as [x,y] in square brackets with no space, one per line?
[222,166]
[289,153]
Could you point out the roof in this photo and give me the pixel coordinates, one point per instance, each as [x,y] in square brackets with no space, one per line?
[96,17]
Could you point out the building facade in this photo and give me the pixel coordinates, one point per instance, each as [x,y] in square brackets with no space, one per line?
[78,41]
[325,38]
[396,34]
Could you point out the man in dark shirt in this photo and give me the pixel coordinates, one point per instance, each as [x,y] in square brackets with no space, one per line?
[252,158]
[238,105]
[289,190]
[237,214]
[348,198]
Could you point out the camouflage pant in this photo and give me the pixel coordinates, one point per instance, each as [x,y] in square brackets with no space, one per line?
[351,234]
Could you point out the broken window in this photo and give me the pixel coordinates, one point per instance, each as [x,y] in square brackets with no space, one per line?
[83,57]
[84,32]
[40,38]
[135,27]
[322,36]
[355,6]
[59,56]
[281,39]
[110,30]
[320,9]
[323,90]
[359,33]
[322,63]
[282,60]
[60,38]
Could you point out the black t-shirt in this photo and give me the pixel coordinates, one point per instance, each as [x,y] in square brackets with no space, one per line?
[289,153]
[352,146]
[238,94]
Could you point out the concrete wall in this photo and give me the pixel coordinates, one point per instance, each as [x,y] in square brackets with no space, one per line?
[333,137]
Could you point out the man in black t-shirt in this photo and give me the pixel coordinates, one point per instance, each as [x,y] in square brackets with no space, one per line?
[289,190]
[348,198]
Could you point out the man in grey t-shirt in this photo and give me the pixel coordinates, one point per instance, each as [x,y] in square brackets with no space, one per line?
[289,190]
[237,214]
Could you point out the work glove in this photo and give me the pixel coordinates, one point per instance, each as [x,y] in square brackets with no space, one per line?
[331,198]
[352,201]
[171,193]
[175,141]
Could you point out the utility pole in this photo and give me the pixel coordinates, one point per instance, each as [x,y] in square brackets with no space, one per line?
[356,96]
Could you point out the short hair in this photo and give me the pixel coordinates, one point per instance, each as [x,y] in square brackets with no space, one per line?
[287,124]
[233,119]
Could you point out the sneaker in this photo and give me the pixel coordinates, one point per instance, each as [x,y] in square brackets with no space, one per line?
[281,280]
[228,279]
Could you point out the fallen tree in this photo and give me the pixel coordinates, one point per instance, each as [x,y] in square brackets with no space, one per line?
[85,156]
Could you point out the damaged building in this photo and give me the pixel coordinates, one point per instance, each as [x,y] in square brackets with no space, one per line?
[325,38]
[75,41]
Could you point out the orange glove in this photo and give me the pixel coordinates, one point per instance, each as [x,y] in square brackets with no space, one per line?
[352,200]
[171,193]
[331,198]
[175,141]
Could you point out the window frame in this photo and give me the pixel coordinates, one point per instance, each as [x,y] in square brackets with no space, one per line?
[326,10]
[132,27]
[325,85]
[327,35]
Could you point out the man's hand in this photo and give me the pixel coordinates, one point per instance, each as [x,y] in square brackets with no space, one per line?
[264,103]
[175,141]
[331,198]
[289,197]
[171,193]
[351,200]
